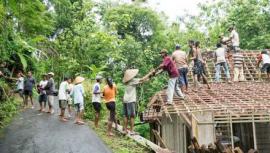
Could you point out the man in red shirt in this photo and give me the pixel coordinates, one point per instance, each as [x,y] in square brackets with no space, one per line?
[169,66]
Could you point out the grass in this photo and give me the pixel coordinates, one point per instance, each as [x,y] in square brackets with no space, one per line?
[119,143]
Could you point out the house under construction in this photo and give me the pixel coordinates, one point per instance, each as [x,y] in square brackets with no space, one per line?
[238,114]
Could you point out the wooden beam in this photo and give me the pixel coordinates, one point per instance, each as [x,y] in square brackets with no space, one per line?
[161,141]
[142,141]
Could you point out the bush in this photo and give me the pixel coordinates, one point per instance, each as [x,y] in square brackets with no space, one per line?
[8,109]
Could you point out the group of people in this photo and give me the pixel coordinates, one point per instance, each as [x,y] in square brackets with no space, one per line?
[72,91]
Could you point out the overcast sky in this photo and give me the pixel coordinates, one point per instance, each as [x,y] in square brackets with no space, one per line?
[176,8]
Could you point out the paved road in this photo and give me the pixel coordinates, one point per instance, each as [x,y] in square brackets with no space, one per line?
[35,132]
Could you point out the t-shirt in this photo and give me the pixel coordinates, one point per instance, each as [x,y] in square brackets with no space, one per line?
[29,83]
[235,38]
[180,58]
[62,93]
[109,93]
[220,54]
[77,94]
[238,60]
[42,85]
[96,89]
[50,87]
[19,83]
[170,67]
[130,91]
[265,58]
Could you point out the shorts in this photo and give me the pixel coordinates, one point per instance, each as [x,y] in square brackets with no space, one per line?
[266,68]
[42,98]
[198,68]
[20,92]
[97,106]
[62,104]
[50,100]
[129,109]
[69,101]
[28,92]
[182,79]
[111,107]
[79,107]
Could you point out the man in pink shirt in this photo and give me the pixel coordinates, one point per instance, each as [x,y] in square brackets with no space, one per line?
[169,66]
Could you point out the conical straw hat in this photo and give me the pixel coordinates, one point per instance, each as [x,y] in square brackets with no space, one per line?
[130,74]
[78,80]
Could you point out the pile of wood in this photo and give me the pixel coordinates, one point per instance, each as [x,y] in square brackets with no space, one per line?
[217,147]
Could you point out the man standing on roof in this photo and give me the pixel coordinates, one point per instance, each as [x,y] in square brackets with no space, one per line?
[234,38]
[169,66]
[220,57]
[180,59]
[130,98]
[265,59]
[238,67]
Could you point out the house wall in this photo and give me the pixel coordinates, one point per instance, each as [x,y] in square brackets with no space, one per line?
[205,133]
[174,133]
[263,137]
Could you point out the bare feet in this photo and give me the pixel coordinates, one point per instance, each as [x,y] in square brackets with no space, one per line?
[63,120]
[110,134]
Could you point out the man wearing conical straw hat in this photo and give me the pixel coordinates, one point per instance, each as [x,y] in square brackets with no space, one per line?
[130,97]
[78,93]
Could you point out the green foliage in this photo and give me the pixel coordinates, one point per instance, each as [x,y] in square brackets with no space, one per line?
[119,143]
[82,37]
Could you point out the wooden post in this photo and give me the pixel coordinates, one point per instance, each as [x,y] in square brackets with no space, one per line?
[254,132]
[231,126]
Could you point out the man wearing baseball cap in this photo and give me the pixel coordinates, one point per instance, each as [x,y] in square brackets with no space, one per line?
[169,66]
[50,89]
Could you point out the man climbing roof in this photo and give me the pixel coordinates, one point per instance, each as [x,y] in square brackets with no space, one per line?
[265,59]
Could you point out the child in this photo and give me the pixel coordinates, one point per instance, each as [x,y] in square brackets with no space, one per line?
[265,59]
[77,94]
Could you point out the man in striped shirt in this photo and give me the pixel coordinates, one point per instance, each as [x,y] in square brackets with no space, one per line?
[238,67]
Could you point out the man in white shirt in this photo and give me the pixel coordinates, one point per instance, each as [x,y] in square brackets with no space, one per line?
[42,93]
[96,99]
[20,84]
[63,97]
[234,38]
[265,59]
[220,57]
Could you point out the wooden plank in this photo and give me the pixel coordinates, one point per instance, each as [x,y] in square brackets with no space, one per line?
[142,141]
[163,144]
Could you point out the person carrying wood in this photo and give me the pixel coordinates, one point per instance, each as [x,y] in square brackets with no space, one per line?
[169,66]
[130,97]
